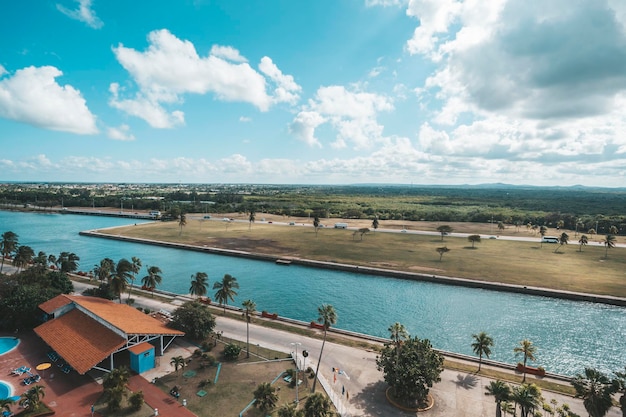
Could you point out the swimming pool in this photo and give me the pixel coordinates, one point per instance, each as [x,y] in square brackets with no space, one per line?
[7,344]
[5,390]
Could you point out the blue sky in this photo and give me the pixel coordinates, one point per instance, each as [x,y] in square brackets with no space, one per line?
[317,92]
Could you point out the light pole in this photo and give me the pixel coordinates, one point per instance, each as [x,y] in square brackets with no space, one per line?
[304,355]
[296,344]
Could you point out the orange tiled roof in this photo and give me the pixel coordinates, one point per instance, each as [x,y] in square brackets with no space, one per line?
[80,340]
[55,303]
[141,348]
[124,317]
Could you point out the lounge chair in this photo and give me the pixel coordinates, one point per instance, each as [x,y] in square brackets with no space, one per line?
[66,369]
[287,378]
[27,381]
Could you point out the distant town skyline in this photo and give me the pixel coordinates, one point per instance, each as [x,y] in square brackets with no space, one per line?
[327,92]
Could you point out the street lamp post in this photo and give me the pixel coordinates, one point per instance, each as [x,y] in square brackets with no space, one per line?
[296,344]
[304,355]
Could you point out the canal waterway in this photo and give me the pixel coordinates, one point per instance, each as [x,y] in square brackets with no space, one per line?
[569,335]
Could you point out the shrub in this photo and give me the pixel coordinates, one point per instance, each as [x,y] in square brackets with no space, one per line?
[208,360]
[136,401]
[231,352]
[207,346]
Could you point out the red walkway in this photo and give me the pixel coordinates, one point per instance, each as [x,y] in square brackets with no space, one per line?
[155,398]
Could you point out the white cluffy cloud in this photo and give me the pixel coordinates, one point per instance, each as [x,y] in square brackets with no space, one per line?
[171,67]
[84,13]
[351,113]
[33,96]
[120,133]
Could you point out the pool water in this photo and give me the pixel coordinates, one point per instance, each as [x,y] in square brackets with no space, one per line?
[7,344]
[5,390]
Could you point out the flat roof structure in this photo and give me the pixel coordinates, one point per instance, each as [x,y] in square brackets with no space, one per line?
[85,331]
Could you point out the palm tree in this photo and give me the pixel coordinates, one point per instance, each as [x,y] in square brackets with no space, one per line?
[182,222]
[178,362]
[317,405]
[249,307]
[542,231]
[501,392]
[289,410]
[441,251]
[582,242]
[5,404]
[199,284]
[398,333]
[482,346]
[375,223]
[103,270]
[31,398]
[23,257]
[251,219]
[473,239]
[67,262]
[613,230]
[118,377]
[120,276]
[8,245]
[136,267]
[563,239]
[265,396]
[226,290]
[444,230]
[528,397]
[609,242]
[153,278]
[328,317]
[596,390]
[316,224]
[592,232]
[527,348]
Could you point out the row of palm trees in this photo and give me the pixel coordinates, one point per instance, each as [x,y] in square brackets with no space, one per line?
[225,289]
[483,343]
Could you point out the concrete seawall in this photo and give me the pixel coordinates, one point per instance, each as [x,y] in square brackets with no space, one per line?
[495,286]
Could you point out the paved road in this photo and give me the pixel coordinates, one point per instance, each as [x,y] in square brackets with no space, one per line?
[457,395]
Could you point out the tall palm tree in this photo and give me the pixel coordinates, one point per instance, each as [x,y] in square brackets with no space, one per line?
[316,224]
[528,397]
[596,389]
[120,276]
[67,262]
[118,377]
[182,222]
[328,317]
[609,242]
[178,362]
[249,307]
[317,405]
[199,284]
[563,239]
[8,245]
[104,269]
[31,398]
[153,278]
[251,219]
[23,257]
[501,392]
[582,242]
[527,348]
[41,261]
[226,290]
[136,267]
[289,410]
[482,346]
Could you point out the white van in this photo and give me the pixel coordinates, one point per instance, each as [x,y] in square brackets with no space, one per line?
[550,239]
[341,225]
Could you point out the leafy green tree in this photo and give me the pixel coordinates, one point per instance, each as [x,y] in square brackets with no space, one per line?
[527,397]
[441,251]
[178,362]
[265,396]
[182,222]
[226,290]
[199,284]
[412,371]
[375,223]
[500,226]
[328,317]
[596,389]
[153,279]
[232,351]
[613,230]
[563,239]
[316,224]
[8,245]
[501,392]
[609,243]
[114,385]
[23,257]
[251,219]
[249,308]
[482,346]
[194,319]
[526,348]
[398,334]
[583,241]
[444,230]
[317,405]
[136,401]
[473,239]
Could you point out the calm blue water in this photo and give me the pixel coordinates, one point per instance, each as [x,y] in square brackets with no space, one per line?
[569,335]
[6,344]
[5,391]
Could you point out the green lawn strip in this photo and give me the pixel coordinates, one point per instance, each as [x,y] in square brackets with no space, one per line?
[494,260]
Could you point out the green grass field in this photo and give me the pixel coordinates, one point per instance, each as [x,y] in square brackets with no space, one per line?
[494,260]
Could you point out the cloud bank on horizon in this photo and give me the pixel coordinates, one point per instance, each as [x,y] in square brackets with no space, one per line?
[383,91]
